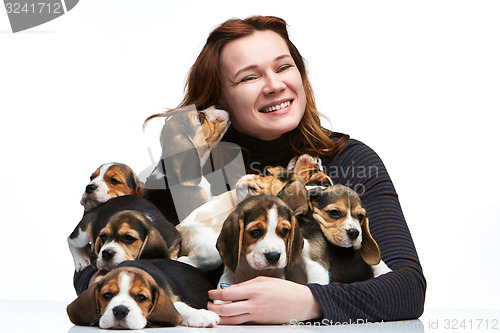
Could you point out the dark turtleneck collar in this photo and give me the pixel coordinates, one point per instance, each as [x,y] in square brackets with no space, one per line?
[259,154]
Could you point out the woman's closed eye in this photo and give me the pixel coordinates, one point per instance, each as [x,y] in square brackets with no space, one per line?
[249,78]
[283,68]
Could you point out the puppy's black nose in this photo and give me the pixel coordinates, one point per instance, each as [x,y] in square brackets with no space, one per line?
[352,233]
[272,257]
[107,254]
[120,311]
[90,188]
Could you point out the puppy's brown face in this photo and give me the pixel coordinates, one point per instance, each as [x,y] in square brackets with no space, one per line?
[210,125]
[126,299]
[271,182]
[263,231]
[267,236]
[121,239]
[310,169]
[109,181]
[340,214]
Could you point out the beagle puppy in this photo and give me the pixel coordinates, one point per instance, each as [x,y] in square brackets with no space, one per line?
[145,293]
[316,262]
[353,255]
[187,138]
[200,230]
[260,237]
[310,169]
[123,228]
[108,181]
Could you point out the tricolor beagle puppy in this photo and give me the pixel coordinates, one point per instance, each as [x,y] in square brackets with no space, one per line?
[352,253]
[108,181]
[320,257]
[187,139]
[123,228]
[260,237]
[145,293]
[310,169]
[200,230]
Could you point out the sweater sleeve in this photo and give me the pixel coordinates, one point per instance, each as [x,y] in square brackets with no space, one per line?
[397,295]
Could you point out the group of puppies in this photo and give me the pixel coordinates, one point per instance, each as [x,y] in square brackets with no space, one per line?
[290,223]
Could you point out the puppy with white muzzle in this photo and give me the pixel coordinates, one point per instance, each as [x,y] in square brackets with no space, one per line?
[108,181]
[261,237]
[145,293]
[123,228]
[352,252]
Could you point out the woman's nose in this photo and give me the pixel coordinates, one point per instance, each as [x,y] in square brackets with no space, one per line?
[273,84]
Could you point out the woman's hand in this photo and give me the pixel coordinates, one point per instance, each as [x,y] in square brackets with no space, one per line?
[264,300]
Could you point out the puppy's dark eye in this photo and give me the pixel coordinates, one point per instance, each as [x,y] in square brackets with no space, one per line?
[114,181]
[200,118]
[284,232]
[334,213]
[107,296]
[360,217]
[140,298]
[128,239]
[313,172]
[267,173]
[256,233]
[103,238]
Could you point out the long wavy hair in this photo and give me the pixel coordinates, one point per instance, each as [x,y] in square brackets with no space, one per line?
[204,86]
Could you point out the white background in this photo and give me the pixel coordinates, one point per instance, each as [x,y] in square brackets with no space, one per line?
[418,81]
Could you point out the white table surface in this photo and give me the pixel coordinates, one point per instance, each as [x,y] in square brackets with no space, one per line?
[51,317]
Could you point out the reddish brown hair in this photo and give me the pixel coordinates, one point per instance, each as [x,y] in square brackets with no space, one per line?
[204,88]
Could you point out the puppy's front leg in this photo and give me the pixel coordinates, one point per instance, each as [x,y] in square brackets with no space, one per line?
[380,268]
[192,317]
[79,250]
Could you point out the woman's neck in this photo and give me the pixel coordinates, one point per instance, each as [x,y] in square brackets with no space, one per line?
[259,154]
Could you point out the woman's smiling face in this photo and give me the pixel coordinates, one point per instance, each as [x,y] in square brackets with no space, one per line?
[262,87]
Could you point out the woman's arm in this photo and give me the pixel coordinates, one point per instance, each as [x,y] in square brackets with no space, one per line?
[396,295]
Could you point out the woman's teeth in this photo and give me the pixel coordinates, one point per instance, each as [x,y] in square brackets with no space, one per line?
[276,107]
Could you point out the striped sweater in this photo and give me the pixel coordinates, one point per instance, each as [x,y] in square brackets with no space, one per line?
[399,294]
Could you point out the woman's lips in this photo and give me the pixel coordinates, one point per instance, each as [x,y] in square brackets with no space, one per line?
[277,106]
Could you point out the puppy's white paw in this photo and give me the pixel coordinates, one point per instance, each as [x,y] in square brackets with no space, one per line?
[81,263]
[202,318]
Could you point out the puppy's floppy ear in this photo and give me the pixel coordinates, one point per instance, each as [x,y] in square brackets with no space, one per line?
[295,243]
[163,312]
[230,240]
[294,194]
[184,165]
[369,250]
[140,188]
[85,310]
[154,246]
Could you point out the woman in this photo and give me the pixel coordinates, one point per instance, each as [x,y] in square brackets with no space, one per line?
[252,69]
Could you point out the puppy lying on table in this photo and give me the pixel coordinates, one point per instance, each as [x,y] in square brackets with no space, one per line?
[145,293]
